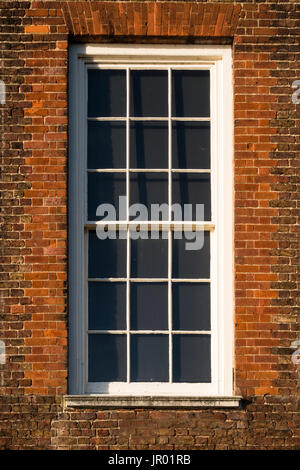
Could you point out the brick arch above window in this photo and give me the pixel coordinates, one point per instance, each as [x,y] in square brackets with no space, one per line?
[147,19]
[151,18]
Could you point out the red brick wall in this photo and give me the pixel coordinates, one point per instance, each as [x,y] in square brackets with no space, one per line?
[34,42]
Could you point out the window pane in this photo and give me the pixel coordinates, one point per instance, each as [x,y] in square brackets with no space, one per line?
[106,93]
[107,306]
[107,258]
[149,93]
[107,358]
[149,258]
[194,263]
[104,188]
[190,93]
[149,358]
[106,144]
[191,145]
[147,189]
[149,306]
[191,306]
[149,145]
[192,189]
[191,358]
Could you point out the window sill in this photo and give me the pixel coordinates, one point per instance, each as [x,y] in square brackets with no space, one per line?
[110,401]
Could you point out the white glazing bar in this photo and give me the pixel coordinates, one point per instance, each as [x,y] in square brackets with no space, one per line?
[107,170]
[150,279]
[149,119]
[191,280]
[127,217]
[161,225]
[85,320]
[131,118]
[148,170]
[191,119]
[178,61]
[150,332]
[145,279]
[192,170]
[86,306]
[108,279]
[107,118]
[128,306]
[109,332]
[169,231]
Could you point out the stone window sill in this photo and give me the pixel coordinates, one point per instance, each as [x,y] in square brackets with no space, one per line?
[113,401]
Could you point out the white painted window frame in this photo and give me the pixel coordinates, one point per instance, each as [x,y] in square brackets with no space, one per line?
[218,60]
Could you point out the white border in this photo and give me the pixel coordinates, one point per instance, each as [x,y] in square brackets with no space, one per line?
[218,59]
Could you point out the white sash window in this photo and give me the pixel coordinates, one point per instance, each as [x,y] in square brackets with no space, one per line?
[151,300]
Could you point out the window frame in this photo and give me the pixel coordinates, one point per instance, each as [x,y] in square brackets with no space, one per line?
[218,60]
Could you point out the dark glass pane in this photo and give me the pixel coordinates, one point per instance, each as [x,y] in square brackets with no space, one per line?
[149,93]
[191,306]
[148,306]
[149,358]
[191,358]
[191,145]
[192,189]
[106,144]
[149,258]
[107,258]
[190,93]
[104,188]
[107,306]
[148,189]
[149,145]
[106,93]
[195,263]
[107,358]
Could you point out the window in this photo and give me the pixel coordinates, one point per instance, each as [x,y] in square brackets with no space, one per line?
[150,276]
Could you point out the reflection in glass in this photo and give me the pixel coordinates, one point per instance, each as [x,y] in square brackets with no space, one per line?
[148,306]
[149,258]
[104,188]
[106,144]
[107,258]
[189,264]
[107,358]
[191,188]
[106,93]
[148,189]
[191,306]
[149,145]
[191,145]
[107,305]
[191,358]
[149,93]
[190,93]
[149,358]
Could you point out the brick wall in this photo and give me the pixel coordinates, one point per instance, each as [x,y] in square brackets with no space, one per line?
[34,38]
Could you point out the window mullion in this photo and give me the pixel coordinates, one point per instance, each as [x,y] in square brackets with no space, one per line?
[170,231]
[127,231]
